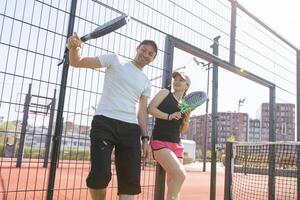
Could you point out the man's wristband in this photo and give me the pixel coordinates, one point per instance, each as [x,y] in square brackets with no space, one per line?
[145,137]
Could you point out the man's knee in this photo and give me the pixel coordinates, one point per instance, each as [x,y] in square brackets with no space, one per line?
[98,180]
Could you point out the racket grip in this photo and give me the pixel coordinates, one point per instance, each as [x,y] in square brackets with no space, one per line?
[84,38]
[185,110]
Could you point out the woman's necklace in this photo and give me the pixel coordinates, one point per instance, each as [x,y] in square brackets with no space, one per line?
[177,99]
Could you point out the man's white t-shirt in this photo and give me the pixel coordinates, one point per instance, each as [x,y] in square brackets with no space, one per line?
[124,84]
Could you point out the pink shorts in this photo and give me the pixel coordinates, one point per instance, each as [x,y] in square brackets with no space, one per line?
[177,148]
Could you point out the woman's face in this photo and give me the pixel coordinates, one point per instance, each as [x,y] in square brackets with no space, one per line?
[179,84]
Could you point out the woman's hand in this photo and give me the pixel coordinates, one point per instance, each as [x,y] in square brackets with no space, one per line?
[186,117]
[175,115]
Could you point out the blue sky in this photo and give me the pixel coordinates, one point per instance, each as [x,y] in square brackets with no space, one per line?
[284,18]
[281,16]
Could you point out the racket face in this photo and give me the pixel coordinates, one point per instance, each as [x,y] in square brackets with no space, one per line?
[195,99]
[106,28]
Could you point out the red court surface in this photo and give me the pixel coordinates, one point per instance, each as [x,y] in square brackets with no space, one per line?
[30,182]
[197,186]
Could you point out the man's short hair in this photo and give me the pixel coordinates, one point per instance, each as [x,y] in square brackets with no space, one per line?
[150,42]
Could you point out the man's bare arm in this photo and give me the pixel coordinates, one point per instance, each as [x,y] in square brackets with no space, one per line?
[75,58]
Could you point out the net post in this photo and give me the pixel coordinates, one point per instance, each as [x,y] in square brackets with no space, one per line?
[271,172]
[298,124]
[228,174]
[298,170]
[272,146]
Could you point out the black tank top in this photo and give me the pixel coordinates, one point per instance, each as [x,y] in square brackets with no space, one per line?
[167,130]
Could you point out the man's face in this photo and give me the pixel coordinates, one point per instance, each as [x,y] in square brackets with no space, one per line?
[145,54]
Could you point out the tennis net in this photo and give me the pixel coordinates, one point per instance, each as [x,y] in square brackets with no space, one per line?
[268,170]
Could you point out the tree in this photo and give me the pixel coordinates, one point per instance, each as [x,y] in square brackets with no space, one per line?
[231,138]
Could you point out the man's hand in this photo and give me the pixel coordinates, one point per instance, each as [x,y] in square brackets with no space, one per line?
[74,42]
[145,149]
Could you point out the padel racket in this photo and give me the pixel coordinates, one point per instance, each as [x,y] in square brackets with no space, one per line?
[102,30]
[191,101]
[106,28]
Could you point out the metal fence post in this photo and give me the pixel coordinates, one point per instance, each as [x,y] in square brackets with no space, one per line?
[232,32]
[48,138]
[159,192]
[214,114]
[24,127]
[60,109]
[160,176]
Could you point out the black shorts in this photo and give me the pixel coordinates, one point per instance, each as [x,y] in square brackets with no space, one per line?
[107,134]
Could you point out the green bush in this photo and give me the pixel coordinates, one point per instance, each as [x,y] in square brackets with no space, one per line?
[1,150]
[39,153]
[223,159]
[75,154]
[34,152]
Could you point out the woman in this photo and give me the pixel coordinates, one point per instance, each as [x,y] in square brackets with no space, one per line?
[169,124]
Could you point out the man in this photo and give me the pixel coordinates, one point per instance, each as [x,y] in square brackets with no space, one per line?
[115,124]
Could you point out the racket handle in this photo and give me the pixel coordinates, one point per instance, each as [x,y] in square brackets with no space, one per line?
[84,38]
[185,110]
